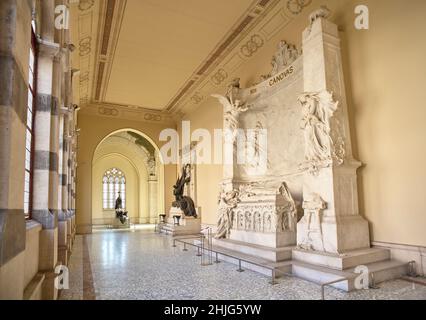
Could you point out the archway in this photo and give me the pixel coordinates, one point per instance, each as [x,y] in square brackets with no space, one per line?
[140,161]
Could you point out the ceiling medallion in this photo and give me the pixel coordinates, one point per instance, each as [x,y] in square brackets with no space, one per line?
[220,76]
[108,111]
[297,6]
[85,5]
[252,45]
[152,117]
[85,46]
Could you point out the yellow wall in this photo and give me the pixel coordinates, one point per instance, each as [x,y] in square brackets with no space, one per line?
[93,131]
[385,74]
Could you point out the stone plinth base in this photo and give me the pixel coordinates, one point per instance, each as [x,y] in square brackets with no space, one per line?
[333,235]
[187,225]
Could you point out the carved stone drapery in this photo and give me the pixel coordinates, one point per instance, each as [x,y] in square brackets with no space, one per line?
[320,149]
[228,201]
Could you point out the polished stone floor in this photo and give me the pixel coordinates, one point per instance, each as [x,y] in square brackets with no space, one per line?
[142,265]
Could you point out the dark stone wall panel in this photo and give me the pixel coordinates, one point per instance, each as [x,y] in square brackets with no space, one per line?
[12,234]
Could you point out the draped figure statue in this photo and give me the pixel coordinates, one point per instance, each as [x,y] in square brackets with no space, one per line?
[227,203]
[317,109]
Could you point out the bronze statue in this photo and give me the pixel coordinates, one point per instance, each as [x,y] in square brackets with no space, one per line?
[120,213]
[185,203]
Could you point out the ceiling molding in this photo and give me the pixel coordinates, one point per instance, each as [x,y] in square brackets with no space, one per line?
[84,17]
[242,27]
[99,24]
[112,13]
[271,20]
[134,113]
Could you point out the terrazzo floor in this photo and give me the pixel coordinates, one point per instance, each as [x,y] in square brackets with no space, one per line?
[142,265]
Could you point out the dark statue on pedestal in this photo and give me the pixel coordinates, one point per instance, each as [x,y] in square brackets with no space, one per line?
[119,211]
[185,203]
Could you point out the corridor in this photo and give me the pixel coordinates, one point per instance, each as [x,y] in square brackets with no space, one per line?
[142,265]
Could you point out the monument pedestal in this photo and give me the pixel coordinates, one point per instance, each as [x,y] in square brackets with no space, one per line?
[308,145]
[186,226]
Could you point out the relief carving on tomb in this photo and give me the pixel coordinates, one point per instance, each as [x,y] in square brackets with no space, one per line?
[238,210]
[320,150]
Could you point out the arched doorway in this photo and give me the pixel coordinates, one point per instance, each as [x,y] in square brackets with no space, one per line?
[138,159]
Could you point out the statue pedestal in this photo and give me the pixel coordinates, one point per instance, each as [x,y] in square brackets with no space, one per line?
[187,225]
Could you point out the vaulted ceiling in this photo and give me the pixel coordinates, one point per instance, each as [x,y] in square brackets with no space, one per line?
[158,56]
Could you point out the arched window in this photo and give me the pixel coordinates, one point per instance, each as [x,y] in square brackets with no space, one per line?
[114,181]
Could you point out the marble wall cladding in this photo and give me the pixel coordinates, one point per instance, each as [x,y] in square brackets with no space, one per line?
[48,218]
[45,160]
[12,238]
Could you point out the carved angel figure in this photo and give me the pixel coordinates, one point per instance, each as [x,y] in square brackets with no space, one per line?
[232,107]
[228,201]
[317,109]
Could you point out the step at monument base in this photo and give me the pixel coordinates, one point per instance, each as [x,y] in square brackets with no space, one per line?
[315,267]
[187,226]
[264,252]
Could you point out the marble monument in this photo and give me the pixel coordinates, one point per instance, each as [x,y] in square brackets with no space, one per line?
[304,200]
